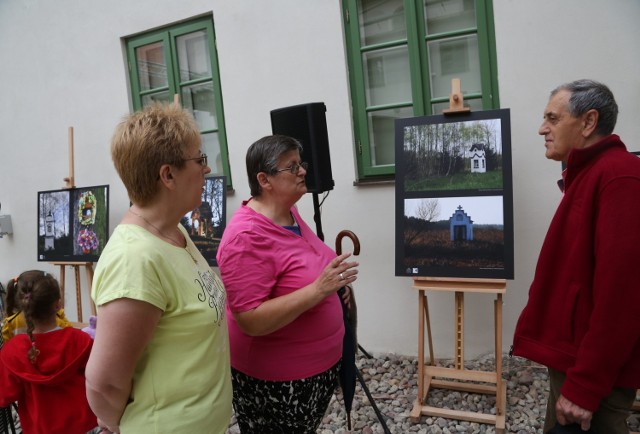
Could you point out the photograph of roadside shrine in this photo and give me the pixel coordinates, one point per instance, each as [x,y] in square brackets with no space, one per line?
[453,156]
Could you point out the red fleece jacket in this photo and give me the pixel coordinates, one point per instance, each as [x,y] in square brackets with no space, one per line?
[583,315]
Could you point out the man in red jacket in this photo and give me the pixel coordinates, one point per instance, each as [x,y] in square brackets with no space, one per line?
[582,320]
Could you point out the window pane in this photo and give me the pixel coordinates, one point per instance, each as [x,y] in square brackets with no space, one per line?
[381,21]
[211,147]
[387,76]
[152,68]
[193,56]
[454,58]
[449,15]
[199,99]
[160,96]
[382,134]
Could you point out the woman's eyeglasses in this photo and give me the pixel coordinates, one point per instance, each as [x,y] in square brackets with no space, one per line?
[294,168]
[201,160]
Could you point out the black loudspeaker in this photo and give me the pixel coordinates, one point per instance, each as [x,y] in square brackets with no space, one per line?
[308,124]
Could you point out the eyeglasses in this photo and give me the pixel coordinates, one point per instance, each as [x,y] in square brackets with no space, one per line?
[202,159]
[294,168]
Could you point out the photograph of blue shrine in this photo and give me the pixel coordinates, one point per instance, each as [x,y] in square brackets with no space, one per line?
[453,235]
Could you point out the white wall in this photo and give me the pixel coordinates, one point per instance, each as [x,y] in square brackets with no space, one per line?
[62,65]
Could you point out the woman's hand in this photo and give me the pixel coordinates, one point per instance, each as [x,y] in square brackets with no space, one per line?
[337,274]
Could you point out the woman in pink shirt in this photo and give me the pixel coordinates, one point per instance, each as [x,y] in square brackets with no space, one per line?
[285,318]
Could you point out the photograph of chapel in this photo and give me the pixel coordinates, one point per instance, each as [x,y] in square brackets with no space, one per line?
[452,236]
[53,223]
[453,155]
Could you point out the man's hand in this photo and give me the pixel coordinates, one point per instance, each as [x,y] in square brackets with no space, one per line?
[567,412]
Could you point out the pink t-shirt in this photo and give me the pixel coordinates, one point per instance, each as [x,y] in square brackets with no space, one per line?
[260,260]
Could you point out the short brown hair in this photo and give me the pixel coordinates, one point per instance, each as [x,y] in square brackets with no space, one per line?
[158,134]
[263,156]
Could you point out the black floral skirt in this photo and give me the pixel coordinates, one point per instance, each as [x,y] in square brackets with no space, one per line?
[282,407]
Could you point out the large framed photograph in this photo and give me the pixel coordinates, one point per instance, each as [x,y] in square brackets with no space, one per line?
[206,223]
[454,196]
[73,224]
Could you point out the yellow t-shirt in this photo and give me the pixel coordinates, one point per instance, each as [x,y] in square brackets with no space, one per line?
[16,324]
[181,384]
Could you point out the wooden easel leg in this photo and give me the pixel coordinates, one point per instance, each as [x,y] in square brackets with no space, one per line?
[501,387]
[432,360]
[76,269]
[416,411]
[62,284]
[459,328]
[89,270]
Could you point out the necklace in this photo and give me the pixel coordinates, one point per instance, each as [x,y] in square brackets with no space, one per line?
[175,242]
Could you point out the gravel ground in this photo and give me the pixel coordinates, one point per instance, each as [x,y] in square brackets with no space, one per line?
[392,382]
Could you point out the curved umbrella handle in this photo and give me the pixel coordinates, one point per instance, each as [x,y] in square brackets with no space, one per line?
[354,239]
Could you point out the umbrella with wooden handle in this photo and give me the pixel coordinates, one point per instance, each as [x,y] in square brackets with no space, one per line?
[349,371]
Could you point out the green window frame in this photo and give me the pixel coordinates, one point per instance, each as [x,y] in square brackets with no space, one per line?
[182,59]
[411,50]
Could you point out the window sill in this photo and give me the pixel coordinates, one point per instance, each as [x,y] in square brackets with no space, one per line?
[387,180]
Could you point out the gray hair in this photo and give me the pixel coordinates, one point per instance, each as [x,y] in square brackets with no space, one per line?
[590,94]
[263,156]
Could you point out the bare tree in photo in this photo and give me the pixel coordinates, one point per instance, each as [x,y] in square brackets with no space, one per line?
[427,212]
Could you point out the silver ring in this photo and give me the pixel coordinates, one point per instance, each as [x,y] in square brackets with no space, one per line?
[341,276]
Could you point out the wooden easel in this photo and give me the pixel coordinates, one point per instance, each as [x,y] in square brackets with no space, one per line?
[70,183]
[463,380]
[430,375]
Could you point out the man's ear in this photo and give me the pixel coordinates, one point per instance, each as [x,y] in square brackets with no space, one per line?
[590,122]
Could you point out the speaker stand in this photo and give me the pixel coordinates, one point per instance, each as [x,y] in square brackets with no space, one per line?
[316,216]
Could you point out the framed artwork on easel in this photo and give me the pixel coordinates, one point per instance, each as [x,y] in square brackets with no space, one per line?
[73,224]
[206,223]
[454,196]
